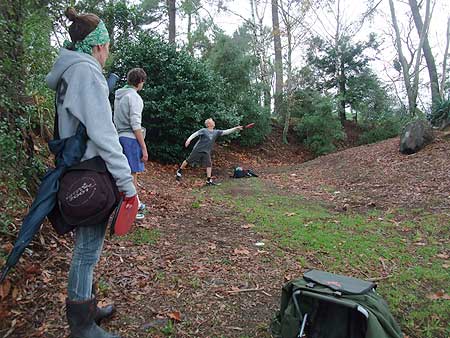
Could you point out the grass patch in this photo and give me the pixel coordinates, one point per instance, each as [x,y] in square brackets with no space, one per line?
[142,236]
[368,245]
[196,204]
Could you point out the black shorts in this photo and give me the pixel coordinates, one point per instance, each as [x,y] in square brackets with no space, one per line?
[203,159]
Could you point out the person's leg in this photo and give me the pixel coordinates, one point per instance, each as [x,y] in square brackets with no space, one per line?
[81,304]
[135,182]
[208,164]
[88,247]
[142,206]
[179,173]
[184,164]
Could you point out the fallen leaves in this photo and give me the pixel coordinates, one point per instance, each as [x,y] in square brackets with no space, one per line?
[443,256]
[198,258]
[5,287]
[241,251]
[438,296]
[175,315]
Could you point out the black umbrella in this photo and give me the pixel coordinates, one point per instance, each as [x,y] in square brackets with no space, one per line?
[68,152]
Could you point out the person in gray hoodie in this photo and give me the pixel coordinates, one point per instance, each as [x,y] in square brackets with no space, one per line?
[82,97]
[128,106]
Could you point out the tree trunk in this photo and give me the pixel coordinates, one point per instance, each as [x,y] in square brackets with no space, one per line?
[444,63]
[256,50]
[278,60]
[431,64]
[405,67]
[172,16]
[340,67]
[287,116]
[265,66]
[422,36]
[190,47]
[342,92]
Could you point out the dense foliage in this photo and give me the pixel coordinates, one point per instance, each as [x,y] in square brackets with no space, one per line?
[333,68]
[230,58]
[380,130]
[180,93]
[441,116]
[318,128]
[24,103]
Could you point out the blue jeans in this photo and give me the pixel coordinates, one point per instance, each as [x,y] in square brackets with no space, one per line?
[86,254]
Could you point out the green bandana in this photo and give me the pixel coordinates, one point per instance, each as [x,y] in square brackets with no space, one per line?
[99,36]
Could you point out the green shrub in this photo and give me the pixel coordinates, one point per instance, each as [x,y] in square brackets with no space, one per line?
[382,126]
[439,117]
[253,113]
[318,128]
[179,94]
[232,59]
[380,131]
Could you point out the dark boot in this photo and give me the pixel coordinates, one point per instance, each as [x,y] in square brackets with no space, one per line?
[103,312]
[80,316]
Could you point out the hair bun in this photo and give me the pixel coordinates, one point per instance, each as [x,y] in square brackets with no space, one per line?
[71,14]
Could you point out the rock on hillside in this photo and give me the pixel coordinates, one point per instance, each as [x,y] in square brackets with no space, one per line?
[378,175]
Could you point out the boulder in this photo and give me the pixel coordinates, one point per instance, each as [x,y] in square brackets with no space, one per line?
[415,135]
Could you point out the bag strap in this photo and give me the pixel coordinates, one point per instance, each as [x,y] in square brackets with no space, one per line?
[56,122]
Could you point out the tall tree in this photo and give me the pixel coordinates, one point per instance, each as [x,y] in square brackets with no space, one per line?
[262,37]
[278,59]
[122,19]
[171,9]
[335,27]
[410,78]
[232,58]
[444,63]
[190,8]
[353,62]
[292,14]
[403,62]
[422,30]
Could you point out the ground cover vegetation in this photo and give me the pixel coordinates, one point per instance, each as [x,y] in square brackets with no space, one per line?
[197,70]
[405,268]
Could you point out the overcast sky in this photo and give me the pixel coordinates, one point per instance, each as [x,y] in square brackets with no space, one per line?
[351,11]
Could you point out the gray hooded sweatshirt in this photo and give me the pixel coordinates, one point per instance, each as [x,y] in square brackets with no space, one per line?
[83,97]
[128,106]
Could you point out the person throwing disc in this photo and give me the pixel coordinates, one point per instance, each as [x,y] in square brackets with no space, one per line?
[201,154]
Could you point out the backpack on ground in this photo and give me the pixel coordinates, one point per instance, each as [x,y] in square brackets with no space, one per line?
[240,172]
[326,305]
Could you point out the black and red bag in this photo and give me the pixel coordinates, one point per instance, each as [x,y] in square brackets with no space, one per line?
[87,196]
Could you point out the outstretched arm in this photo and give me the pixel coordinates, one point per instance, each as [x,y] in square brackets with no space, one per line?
[190,138]
[231,130]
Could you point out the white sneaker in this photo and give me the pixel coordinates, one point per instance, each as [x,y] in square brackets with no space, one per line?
[178,175]
[140,216]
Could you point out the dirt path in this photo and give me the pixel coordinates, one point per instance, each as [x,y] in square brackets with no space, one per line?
[205,269]
[193,261]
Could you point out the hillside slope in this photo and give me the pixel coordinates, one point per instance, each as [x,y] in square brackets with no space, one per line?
[191,253]
[378,175]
